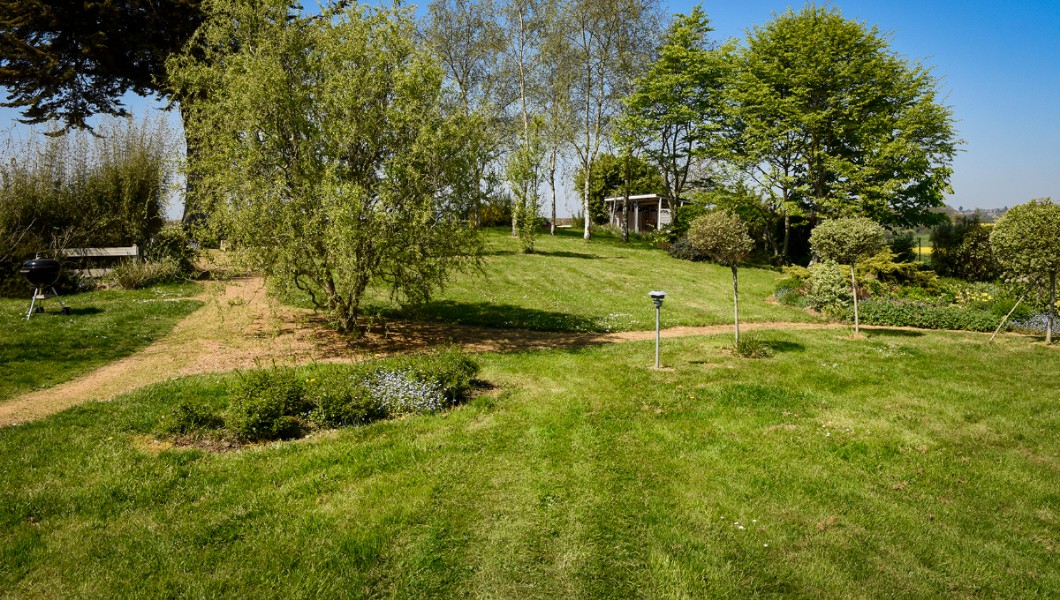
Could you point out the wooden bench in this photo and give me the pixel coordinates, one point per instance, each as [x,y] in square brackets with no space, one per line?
[109,253]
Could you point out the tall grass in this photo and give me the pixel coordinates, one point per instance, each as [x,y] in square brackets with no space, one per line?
[106,188]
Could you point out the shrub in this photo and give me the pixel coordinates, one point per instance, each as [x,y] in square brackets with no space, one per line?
[342,401]
[682,249]
[752,346]
[266,405]
[173,243]
[138,274]
[280,403]
[902,246]
[896,313]
[452,370]
[828,289]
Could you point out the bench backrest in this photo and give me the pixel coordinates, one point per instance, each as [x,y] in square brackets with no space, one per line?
[102,252]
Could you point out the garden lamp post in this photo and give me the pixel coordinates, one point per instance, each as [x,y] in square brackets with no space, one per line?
[657,297]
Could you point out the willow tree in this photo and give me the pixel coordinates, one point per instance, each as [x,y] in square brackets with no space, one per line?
[326,152]
[1026,241]
[846,241]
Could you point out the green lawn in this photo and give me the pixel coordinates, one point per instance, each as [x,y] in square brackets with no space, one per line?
[906,464]
[51,348]
[601,285]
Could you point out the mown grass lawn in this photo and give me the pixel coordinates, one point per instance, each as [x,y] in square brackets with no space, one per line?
[900,465]
[569,284]
[51,348]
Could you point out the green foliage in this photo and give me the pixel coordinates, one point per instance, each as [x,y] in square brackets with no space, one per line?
[886,267]
[828,288]
[607,179]
[1026,242]
[846,240]
[82,190]
[903,246]
[281,403]
[832,122]
[523,173]
[172,242]
[325,151]
[721,235]
[897,313]
[961,248]
[751,345]
[69,60]
[342,401]
[138,274]
[1026,239]
[267,405]
[676,103]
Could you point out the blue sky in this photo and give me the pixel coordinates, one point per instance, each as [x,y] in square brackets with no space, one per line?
[999,65]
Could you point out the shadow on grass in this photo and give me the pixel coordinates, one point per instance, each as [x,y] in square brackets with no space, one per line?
[501,316]
[892,333]
[562,254]
[778,346]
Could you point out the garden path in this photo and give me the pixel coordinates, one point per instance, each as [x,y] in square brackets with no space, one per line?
[240,326]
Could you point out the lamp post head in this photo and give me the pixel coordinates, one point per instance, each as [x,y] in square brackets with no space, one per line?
[657,297]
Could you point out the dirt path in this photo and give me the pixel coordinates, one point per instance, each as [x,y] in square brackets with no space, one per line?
[240,327]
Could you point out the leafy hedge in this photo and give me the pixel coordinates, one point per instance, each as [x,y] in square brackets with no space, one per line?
[896,313]
[284,402]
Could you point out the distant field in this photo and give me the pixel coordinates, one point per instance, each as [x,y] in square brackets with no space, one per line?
[602,285]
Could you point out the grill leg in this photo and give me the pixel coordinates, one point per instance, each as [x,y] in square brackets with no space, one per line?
[32,303]
[66,309]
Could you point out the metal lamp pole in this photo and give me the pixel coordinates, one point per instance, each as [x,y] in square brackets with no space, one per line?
[657,298]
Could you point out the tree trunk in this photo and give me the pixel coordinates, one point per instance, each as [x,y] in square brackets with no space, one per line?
[1052,308]
[735,306]
[552,185]
[854,288]
[193,210]
[585,200]
[787,233]
[625,203]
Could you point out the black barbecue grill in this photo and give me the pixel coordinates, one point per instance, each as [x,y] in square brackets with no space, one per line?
[42,273]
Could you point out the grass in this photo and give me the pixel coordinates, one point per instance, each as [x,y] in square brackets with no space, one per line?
[51,348]
[602,285]
[905,464]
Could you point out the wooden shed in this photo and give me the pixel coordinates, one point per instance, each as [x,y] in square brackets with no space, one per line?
[647,212]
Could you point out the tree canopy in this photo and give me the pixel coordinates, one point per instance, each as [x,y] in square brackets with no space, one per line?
[69,60]
[326,153]
[825,118]
[1026,241]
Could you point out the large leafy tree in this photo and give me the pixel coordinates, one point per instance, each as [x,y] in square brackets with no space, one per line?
[67,60]
[826,119]
[327,154]
[674,108]
[848,240]
[1026,241]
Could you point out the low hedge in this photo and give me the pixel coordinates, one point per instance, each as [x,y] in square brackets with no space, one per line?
[896,313]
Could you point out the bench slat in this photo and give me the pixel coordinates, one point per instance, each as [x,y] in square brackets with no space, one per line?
[102,252]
